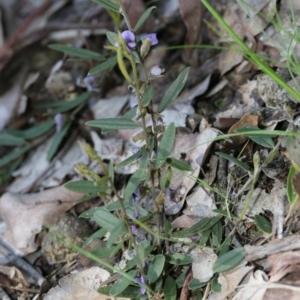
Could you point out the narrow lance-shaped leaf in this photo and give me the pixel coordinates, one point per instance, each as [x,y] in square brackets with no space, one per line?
[84,186]
[108,4]
[35,131]
[6,159]
[148,95]
[156,267]
[143,18]
[68,105]
[234,160]
[179,164]
[173,90]
[133,182]
[229,260]
[7,139]
[122,283]
[80,53]
[114,124]
[57,139]
[130,159]
[105,219]
[165,145]
[110,63]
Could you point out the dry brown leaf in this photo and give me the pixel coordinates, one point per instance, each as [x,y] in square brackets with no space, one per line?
[191,12]
[245,120]
[26,214]
[230,280]
[82,285]
[134,10]
[195,147]
[14,274]
[253,288]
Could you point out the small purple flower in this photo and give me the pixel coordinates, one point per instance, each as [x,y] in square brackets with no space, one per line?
[135,214]
[90,84]
[152,37]
[136,196]
[59,121]
[140,279]
[133,229]
[129,39]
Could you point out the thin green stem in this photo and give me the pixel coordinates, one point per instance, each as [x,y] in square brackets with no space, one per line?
[249,54]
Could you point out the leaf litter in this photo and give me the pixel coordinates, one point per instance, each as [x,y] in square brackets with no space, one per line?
[238,94]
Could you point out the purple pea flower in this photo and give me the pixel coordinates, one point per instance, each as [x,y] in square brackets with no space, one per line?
[152,37]
[140,279]
[133,229]
[59,121]
[129,38]
[136,196]
[90,84]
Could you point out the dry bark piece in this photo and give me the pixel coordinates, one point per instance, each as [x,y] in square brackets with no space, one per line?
[26,214]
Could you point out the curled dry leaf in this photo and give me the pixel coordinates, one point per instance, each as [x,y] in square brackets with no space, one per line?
[82,285]
[191,12]
[245,120]
[230,280]
[26,214]
[194,147]
[134,10]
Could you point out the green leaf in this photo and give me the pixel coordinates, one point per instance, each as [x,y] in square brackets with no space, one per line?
[138,176]
[35,131]
[292,195]
[14,155]
[179,164]
[103,252]
[204,237]
[68,105]
[195,284]
[80,53]
[105,219]
[90,212]
[229,260]
[165,146]
[113,123]
[260,139]
[173,90]
[178,259]
[85,198]
[263,224]
[143,18]
[121,284]
[129,160]
[148,95]
[99,234]
[120,229]
[223,213]
[57,139]
[110,63]
[108,4]
[180,279]
[217,234]
[84,186]
[225,246]
[170,289]
[156,267]
[7,139]
[131,292]
[112,37]
[234,160]
[215,285]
